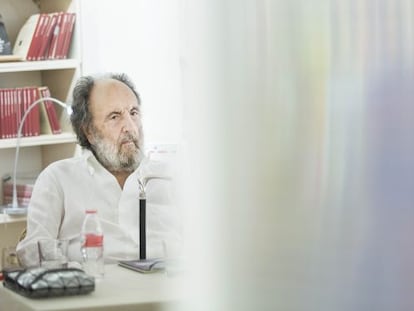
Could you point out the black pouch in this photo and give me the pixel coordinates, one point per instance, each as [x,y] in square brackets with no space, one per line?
[42,282]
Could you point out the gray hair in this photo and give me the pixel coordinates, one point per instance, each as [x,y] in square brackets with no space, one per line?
[81,117]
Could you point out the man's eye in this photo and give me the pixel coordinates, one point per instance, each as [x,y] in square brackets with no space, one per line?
[134,113]
[114,117]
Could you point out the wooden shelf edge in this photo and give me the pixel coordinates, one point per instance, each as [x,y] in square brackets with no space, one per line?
[39,65]
[7,219]
[39,140]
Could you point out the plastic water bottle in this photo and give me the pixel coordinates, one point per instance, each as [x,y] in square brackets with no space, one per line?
[92,245]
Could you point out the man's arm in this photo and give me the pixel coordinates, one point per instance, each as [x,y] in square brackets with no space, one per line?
[45,214]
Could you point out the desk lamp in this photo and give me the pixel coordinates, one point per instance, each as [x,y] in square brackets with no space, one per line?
[14,207]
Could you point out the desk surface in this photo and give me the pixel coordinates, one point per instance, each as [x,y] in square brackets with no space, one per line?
[121,289]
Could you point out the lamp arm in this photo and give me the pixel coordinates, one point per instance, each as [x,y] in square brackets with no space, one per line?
[19,133]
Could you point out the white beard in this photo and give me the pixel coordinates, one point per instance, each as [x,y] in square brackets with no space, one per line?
[117,158]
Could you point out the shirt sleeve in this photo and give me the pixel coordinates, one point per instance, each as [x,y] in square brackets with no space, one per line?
[44,216]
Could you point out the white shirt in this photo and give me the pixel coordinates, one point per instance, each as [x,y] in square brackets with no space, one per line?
[66,188]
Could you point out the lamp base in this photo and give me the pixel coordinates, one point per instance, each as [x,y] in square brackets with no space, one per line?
[144,265]
[8,209]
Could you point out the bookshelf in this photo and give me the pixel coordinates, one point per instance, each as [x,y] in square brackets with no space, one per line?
[60,76]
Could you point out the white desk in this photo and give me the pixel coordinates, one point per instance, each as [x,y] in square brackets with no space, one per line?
[121,289]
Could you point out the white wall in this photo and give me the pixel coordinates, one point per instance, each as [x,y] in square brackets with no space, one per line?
[139,38]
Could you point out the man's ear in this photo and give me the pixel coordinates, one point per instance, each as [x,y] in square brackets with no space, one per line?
[88,133]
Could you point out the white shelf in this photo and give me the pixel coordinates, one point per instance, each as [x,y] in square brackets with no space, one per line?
[39,140]
[8,219]
[39,65]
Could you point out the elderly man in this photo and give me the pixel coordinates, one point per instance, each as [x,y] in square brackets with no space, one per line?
[107,121]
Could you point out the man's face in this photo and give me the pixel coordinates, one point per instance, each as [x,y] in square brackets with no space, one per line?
[116,131]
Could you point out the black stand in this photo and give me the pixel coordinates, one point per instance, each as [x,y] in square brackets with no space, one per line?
[143,264]
[142,229]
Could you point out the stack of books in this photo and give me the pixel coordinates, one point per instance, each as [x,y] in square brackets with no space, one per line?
[24,188]
[42,118]
[45,36]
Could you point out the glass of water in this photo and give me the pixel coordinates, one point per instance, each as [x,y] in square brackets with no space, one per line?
[53,254]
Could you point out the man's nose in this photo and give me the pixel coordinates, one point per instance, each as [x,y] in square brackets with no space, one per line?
[129,124]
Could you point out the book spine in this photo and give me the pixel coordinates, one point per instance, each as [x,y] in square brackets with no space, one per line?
[14,110]
[45,126]
[69,34]
[8,113]
[1,114]
[55,36]
[61,36]
[51,112]
[21,193]
[47,37]
[23,106]
[5,122]
[29,120]
[34,113]
[18,103]
[31,53]
[22,201]
[4,114]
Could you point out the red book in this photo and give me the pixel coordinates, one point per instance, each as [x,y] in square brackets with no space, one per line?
[47,36]
[23,107]
[12,123]
[4,113]
[14,111]
[13,126]
[8,124]
[69,33]
[31,53]
[34,117]
[49,113]
[22,190]
[43,30]
[55,35]
[28,121]
[1,113]
[62,36]
[22,201]
[17,102]
[9,114]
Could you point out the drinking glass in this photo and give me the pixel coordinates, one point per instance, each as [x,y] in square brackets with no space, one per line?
[53,254]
